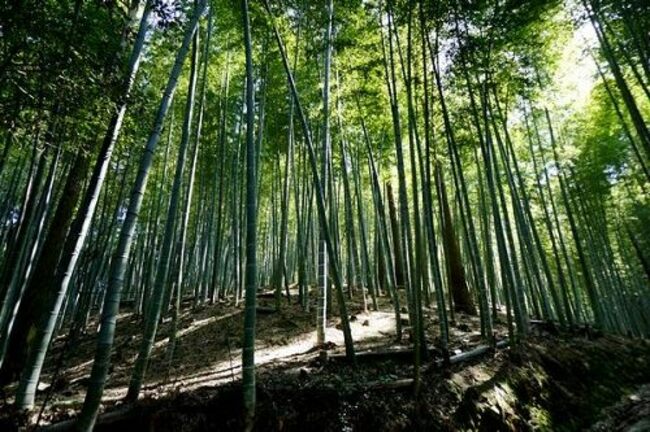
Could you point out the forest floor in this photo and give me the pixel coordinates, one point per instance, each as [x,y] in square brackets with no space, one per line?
[553,382]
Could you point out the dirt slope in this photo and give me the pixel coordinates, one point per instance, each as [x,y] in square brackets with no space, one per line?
[550,384]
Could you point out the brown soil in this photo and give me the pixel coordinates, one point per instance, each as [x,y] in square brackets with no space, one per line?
[551,383]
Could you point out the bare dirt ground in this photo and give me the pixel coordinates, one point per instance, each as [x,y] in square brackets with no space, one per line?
[297,390]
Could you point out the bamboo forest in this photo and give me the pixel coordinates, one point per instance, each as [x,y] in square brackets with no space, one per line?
[325,215]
